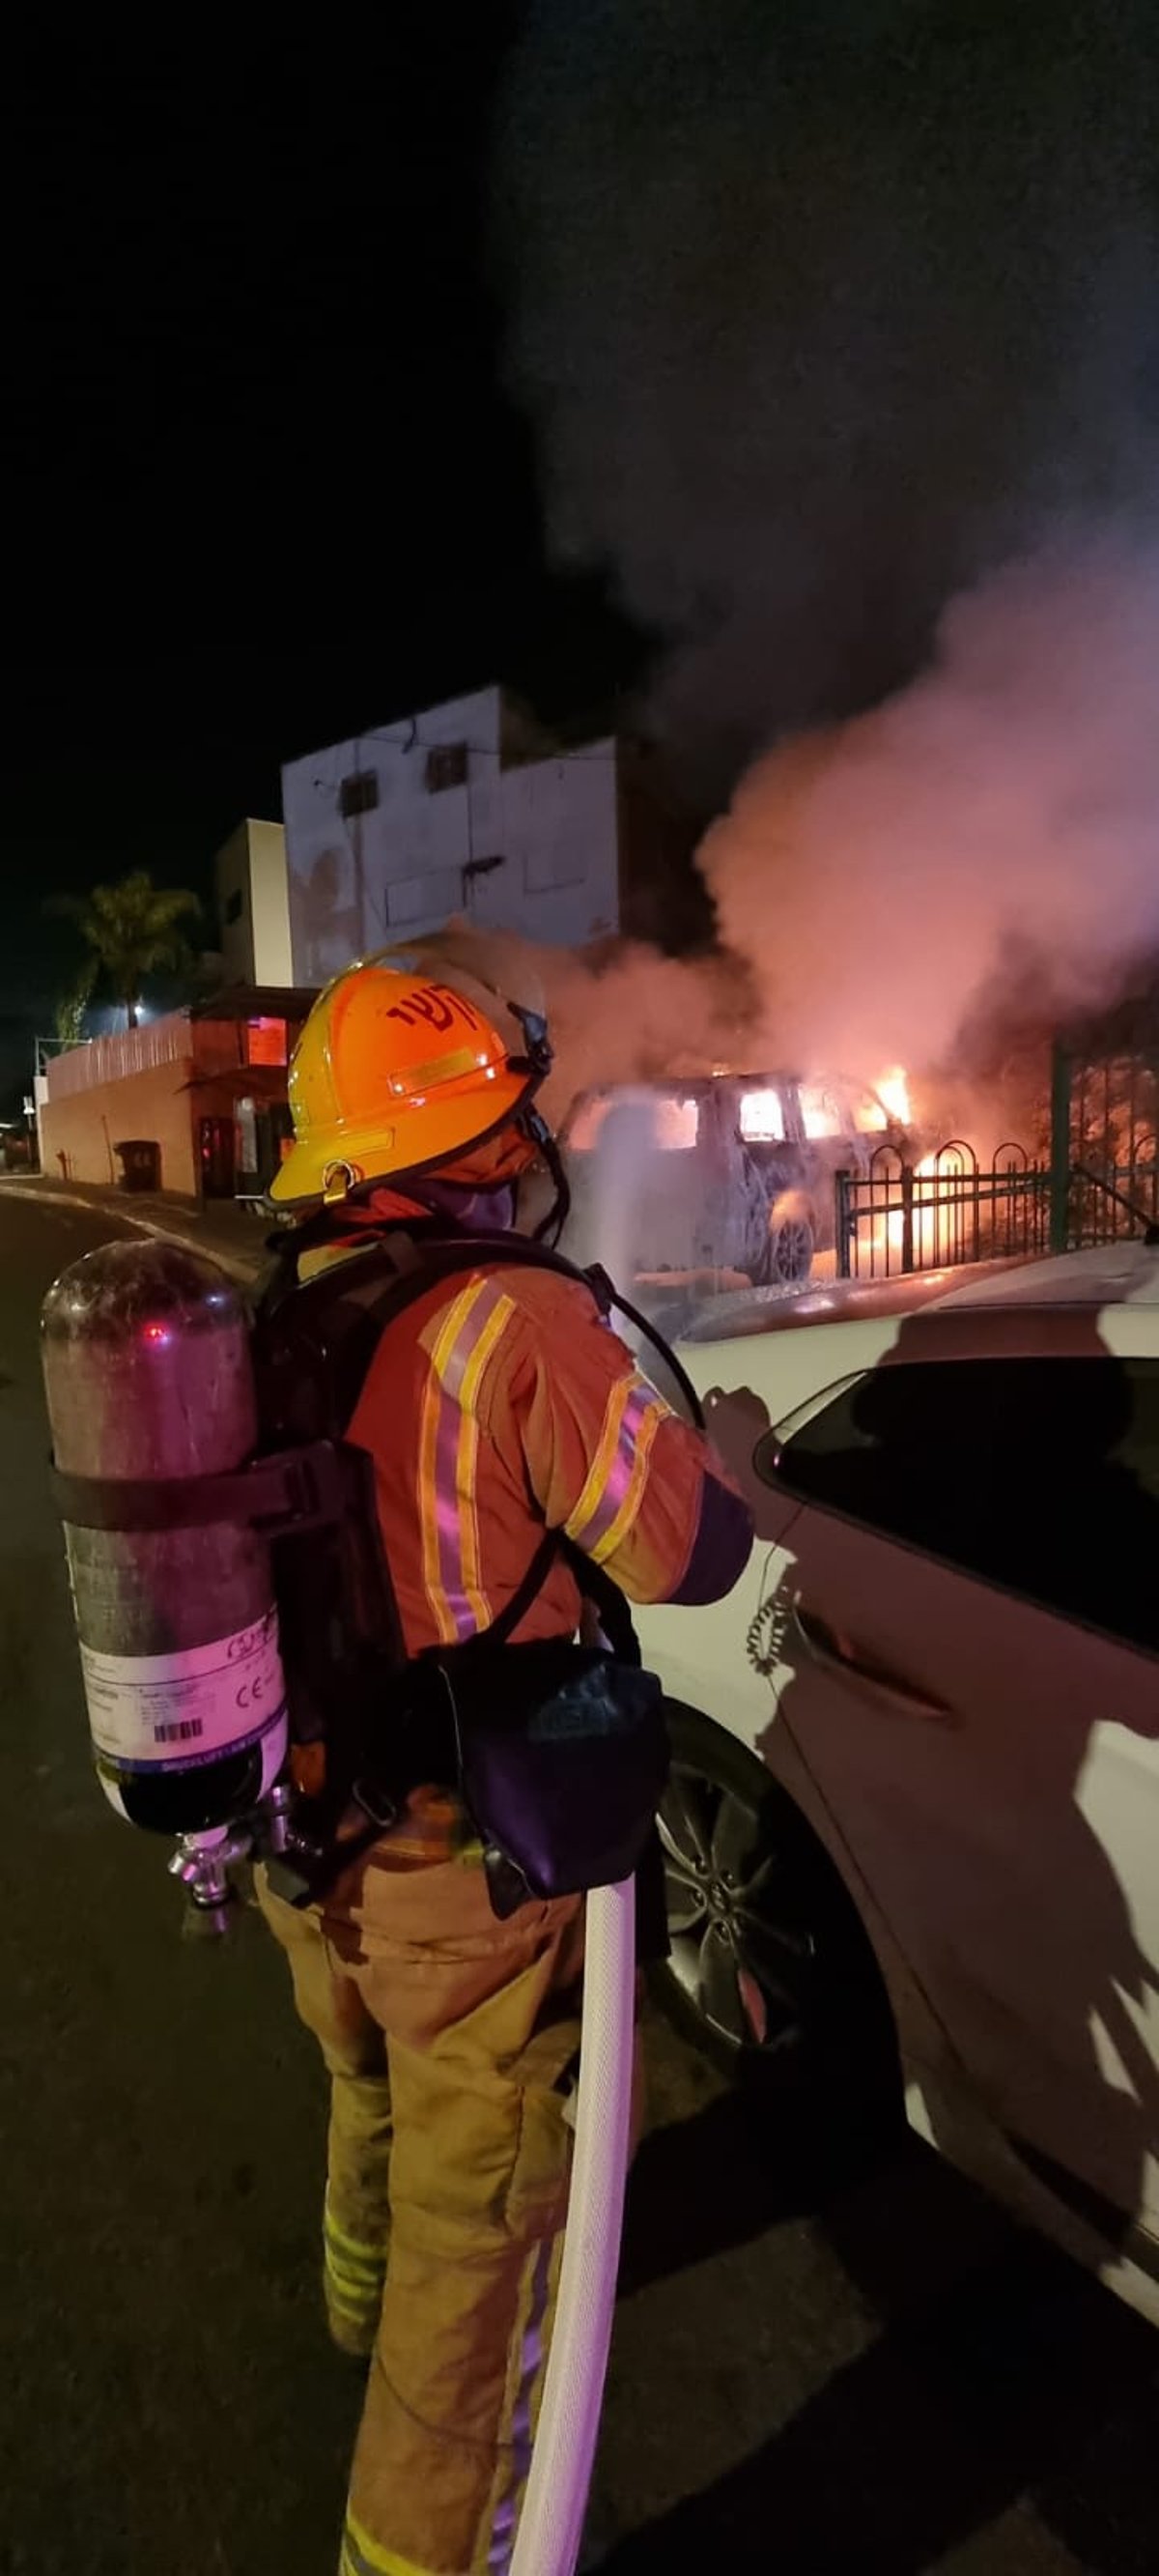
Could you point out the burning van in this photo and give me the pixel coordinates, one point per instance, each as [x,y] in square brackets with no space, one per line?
[727,1174]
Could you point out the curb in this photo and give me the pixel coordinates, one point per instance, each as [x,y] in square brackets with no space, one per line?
[194,1240]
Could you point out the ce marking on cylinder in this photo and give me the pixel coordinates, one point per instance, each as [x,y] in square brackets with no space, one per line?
[252,1693]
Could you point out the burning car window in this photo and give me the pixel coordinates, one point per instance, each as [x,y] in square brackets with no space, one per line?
[584,1128]
[822,1112]
[677,1125]
[762,1118]
[672,1124]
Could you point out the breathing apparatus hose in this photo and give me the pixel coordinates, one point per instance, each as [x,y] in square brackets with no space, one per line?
[551,2523]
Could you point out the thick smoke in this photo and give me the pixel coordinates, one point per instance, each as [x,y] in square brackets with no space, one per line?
[627,1015]
[996,822]
[820,312]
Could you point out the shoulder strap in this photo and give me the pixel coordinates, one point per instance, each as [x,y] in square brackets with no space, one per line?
[409,1265]
[387,1278]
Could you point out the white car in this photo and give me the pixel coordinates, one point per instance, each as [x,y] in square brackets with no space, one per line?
[945,1651]
[730,1174]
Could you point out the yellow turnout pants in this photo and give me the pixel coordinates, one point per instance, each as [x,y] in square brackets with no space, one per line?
[449,2038]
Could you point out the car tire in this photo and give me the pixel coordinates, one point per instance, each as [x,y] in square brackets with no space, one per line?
[770,1971]
[787,1258]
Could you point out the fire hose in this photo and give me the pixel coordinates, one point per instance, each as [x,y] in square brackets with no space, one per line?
[551,2522]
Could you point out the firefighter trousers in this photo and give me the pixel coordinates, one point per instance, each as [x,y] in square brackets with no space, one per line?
[450,2040]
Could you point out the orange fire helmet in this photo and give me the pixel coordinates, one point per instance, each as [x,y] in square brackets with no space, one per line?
[403,1066]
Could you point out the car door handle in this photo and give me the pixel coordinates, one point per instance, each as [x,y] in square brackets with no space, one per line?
[839,1653]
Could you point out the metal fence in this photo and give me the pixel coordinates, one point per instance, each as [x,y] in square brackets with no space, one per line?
[949,1208]
[1097,1181]
[1116,1200]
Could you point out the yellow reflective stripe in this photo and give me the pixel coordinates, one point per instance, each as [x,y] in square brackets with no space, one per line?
[473,1374]
[606,1447]
[362,2556]
[617,1530]
[611,1494]
[353,2312]
[457,1314]
[428,1448]
[463,1348]
[356,2245]
[364,2286]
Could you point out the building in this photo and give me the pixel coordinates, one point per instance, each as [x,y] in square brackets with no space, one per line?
[199,1095]
[467,812]
[253,906]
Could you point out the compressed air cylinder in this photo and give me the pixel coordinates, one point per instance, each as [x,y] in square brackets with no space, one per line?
[148,1375]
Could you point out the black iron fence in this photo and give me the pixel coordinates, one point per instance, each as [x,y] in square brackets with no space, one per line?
[949,1208]
[1116,1200]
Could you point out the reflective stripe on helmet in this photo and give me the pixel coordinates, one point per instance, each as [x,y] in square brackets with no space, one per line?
[448,1457]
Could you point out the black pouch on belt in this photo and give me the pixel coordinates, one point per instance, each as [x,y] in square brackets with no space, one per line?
[563,1757]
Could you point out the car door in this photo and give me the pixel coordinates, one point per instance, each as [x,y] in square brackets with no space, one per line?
[969,1602]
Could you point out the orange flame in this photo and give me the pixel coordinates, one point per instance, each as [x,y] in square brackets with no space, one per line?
[892,1088]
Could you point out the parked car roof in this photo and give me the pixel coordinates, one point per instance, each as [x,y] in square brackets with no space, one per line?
[1111,1274]
[1108,1274]
[733,1315]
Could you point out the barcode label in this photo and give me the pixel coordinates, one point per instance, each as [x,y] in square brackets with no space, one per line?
[180,1731]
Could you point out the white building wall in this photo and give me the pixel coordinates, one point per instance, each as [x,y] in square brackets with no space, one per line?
[415,856]
[253,905]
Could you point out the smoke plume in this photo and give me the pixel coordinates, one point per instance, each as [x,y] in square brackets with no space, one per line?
[999,818]
[821,311]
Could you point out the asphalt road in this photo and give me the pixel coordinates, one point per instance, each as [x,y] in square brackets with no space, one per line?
[898,2382]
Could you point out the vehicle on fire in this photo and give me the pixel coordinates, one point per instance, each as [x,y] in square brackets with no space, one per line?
[911,1826]
[728,1174]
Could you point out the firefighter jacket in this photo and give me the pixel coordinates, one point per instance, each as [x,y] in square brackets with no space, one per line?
[502,1402]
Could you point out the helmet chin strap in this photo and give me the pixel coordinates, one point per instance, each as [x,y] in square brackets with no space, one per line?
[550,1227]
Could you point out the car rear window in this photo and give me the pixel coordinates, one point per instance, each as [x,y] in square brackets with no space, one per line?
[1040,1475]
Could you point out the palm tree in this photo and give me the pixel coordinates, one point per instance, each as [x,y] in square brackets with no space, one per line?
[69,1014]
[130,930]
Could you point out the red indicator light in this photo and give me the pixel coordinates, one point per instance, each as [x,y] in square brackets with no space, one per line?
[154,1333]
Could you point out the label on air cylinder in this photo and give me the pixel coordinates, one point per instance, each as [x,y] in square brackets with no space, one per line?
[193,1706]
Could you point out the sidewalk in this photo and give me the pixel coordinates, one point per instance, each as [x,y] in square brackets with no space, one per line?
[235,1236]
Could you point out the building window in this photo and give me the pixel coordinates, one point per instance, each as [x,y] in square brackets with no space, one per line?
[447,767]
[358,793]
[233,907]
[265,1041]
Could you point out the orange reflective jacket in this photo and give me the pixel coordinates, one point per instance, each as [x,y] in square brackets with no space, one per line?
[503,1402]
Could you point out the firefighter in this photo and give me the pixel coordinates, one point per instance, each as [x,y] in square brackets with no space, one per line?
[499,1403]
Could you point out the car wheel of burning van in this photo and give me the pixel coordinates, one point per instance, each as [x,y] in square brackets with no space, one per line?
[770,1970]
[788,1252]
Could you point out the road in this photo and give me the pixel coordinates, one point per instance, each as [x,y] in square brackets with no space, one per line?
[899,2382]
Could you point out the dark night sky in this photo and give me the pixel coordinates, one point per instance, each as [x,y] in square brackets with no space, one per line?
[267,489]
[267,299]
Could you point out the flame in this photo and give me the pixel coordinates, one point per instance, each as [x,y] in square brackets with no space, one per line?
[892,1088]
[762,1117]
[929,1214]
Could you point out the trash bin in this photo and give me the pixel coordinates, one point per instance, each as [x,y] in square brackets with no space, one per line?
[140,1163]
